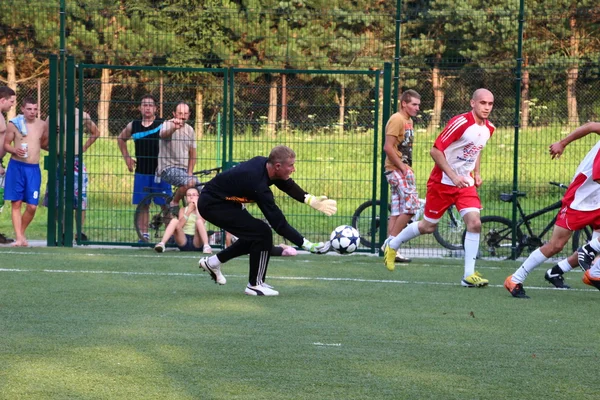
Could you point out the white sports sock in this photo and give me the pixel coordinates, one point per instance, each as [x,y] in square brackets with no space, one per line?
[408,233]
[564,265]
[595,270]
[534,259]
[471,250]
[213,261]
[595,244]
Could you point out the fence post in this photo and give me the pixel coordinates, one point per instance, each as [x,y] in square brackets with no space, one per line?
[69,164]
[383,210]
[518,78]
[50,159]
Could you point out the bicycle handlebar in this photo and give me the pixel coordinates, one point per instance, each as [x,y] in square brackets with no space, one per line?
[560,185]
[207,171]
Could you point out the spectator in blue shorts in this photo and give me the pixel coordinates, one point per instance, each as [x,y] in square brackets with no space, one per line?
[25,136]
[145,133]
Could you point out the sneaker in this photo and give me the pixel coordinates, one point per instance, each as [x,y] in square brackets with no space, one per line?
[215,272]
[389,258]
[515,289]
[207,249]
[474,280]
[260,290]
[585,256]
[401,259]
[160,247]
[589,280]
[146,238]
[556,279]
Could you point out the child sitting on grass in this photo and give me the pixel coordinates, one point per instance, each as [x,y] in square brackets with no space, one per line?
[188,230]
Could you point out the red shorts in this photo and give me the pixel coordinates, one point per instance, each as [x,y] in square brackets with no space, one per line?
[575,220]
[440,197]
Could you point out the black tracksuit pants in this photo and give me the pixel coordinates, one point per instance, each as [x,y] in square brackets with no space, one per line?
[255,237]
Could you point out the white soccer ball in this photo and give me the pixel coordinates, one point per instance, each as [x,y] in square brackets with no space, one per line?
[344,239]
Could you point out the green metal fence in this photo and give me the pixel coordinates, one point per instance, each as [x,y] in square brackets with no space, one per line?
[331,130]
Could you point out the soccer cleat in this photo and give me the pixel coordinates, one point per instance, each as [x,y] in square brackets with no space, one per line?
[160,247]
[215,272]
[556,279]
[474,280]
[585,256]
[515,289]
[260,290]
[401,259]
[591,281]
[385,243]
[389,258]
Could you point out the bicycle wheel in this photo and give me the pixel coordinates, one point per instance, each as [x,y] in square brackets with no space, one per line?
[579,240]
[362,222]
[495,241]
[449,231]
[153,219]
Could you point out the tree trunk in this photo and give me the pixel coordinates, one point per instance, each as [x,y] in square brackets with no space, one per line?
[11,77]
[272,117]
[104,104]
[342,108]
[199,127]
[525,99]
[572,74]
[437,82]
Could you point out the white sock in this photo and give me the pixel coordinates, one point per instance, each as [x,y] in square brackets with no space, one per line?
[564,265]
[595,270]
[534,259]
[595,244]
[408,233]
[213,261]
[471,250]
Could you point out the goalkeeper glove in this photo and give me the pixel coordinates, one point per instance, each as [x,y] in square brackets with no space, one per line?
[321,203]
[317,248]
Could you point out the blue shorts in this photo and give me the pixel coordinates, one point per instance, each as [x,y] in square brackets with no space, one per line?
[22,182]
[145,184]
[189,244]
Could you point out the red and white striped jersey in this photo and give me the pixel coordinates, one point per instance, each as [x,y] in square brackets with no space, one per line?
[461,141]
[583,193]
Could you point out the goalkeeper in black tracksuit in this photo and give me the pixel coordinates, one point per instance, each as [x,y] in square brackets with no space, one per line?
[221,203]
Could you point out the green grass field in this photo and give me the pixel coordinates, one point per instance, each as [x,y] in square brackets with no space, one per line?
[91,323]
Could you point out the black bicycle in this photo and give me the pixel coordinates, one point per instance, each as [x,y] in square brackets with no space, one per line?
[158,213]
[448,232]
[496,231]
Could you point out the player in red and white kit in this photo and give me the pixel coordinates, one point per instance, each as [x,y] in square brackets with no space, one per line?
[580,207]
[453,181]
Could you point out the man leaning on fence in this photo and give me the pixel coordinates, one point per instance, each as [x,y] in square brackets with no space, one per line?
[7,100]
[145,135]
[399,136]
[177,159]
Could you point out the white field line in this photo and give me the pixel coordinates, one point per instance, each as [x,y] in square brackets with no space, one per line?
[283,278]
[176,255]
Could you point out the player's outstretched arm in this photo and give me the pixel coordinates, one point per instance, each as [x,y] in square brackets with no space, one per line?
[557,148]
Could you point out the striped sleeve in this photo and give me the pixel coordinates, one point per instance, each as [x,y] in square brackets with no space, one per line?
[453,131]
